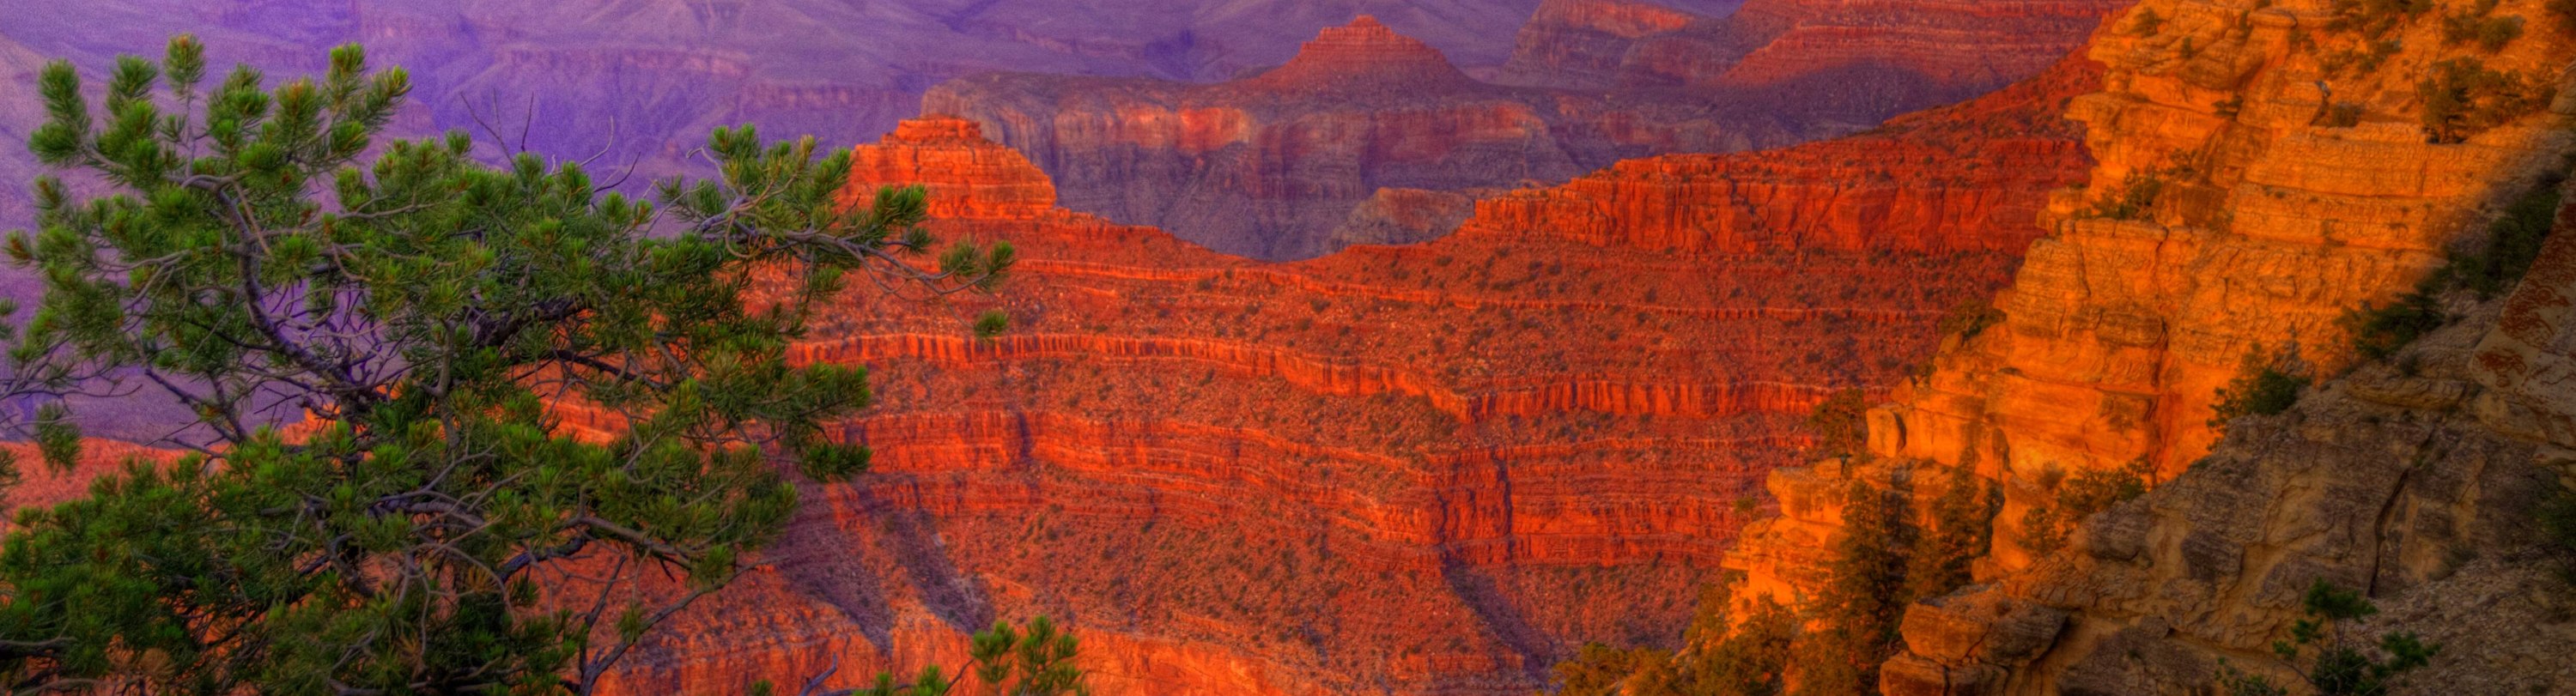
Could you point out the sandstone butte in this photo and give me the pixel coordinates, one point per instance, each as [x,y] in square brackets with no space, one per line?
[1397,469]
[1271,165]
[2271,224]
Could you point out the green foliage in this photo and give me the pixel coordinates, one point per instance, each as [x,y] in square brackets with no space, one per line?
[1970,317]
[1004,661]
[2145,22]
[992,323]
[2374,19]
[1601,670]
[2490,33]
[1838,661]
[2043,530]
[2263,386]
[2557,525]
[2365,59]
[1962,529]
[1725,656]
[2564,11]
[1749,655]
[2237,682]
[2341,115]
[2512,243]
[1748,661]
[434,528]
[1841,424]
[2135,198]
[2335,665]
[2045,527]
[2379,331]
[2095,490]
[2463,98]
[1863,596]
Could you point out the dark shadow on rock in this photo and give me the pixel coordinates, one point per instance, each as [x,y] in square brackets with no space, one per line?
[913,537]
[1506,622]
[819,558]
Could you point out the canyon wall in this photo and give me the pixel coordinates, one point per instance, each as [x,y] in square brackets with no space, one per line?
[1396,469]
[639,83]
[1270,165]
[2263,170]
[2414,480]
[1847,61]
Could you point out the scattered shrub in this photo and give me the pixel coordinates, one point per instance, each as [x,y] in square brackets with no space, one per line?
[2379,331]
[2513,242]
[1962,528]
[1841,424]
[1970,317]
[2264,386]
[2464,98]
[2339,665]
[2557,522]
[2489,33]
[2145,22]
[2375,18]
[2480,25]
[2045,527]
[2135,199]
[2341,115]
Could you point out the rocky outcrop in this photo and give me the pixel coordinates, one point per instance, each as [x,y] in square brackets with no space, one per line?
[2264,225]
[2253,187]
[1405,216]
[1950,179]
[43,485]
[2403,480]
[1849,62]
[964,176]
[1362,57]
[1269,166]
[1407,469]
[1584,44]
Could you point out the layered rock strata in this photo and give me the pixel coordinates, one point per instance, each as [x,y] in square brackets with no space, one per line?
[2413,480]
[2255,185]
[1271,165]
[1403,469]
[1841,52]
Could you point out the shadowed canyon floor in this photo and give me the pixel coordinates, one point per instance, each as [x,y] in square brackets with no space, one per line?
[1409,469]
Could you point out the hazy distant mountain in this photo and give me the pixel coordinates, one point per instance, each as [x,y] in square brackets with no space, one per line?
[643,80]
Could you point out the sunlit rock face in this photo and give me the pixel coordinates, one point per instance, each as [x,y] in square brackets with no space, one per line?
[1412,469]
[2412,480]
[1269,166]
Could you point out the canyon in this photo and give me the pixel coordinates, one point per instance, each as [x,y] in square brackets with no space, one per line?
[1415,365]
[2253,187]
[1394,468]
[1275,164]
[639,84]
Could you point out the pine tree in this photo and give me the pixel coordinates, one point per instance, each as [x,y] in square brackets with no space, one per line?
[1863,594]
[1841,424]
[431,529]
[1962,526]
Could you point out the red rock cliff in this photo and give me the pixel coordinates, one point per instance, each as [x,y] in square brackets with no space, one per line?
[2232,212]
[1410,469]
[1270,165]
